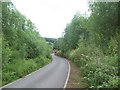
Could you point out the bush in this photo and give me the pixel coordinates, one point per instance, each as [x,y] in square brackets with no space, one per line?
[23,49]
[98,69]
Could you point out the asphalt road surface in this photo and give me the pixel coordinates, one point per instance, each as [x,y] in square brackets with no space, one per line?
[53,75]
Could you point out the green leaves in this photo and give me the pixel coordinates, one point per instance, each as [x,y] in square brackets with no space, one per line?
[93,44]
[24,50]
[104,22]
[72,34]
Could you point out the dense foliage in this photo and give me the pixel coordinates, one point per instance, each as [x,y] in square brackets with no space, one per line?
[92,43]
[50,40]
[23,49]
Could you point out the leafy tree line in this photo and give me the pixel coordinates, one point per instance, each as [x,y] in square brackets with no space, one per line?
[92,43]
[50,40]
[23,49]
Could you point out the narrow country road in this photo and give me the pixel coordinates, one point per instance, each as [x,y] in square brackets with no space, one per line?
[53,75]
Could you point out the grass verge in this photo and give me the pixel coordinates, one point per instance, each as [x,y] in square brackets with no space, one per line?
[75,80]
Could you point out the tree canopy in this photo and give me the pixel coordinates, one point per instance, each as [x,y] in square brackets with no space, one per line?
[92,43]
[23,49]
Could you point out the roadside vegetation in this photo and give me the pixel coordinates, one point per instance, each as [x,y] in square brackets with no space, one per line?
[76,79]
[23,49]
[93,44]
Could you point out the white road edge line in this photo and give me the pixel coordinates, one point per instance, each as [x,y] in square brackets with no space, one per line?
[36,71]
[67,76]
[22,77]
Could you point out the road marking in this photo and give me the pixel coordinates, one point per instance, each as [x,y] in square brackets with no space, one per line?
[36,71]
[23,77]
[67,76]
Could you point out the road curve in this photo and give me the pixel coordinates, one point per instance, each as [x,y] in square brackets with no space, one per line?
[53,75]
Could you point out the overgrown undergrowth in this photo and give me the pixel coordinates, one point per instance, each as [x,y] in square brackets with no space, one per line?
[93,44]
[98,69]
[23,49]
[21,68]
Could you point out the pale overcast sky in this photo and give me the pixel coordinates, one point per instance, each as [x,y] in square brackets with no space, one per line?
[51,16]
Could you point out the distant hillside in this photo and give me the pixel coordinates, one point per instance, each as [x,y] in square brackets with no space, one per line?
[50,40]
